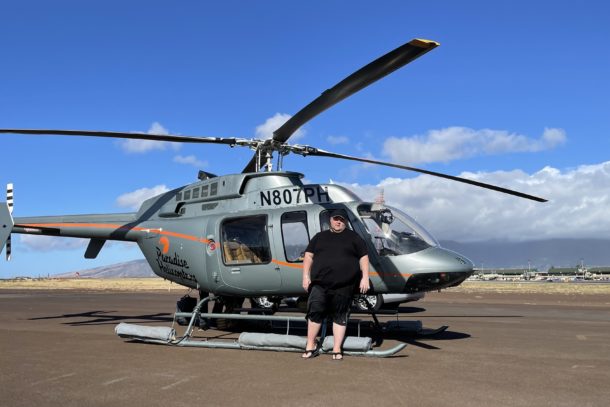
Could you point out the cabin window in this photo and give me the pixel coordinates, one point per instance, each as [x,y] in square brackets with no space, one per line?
[204,191]
[245,240]
[179,196]
[295,235]
[214,188]
[392,232]
[195,193]
[187,195]
[325,219]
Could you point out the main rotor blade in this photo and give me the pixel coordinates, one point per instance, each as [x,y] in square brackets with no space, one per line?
[322,153]
[135,136]
[360,79]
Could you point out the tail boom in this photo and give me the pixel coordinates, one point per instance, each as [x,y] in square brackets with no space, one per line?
[106,227]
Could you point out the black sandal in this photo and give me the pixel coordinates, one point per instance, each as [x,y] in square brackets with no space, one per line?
[337,355]
[310,353]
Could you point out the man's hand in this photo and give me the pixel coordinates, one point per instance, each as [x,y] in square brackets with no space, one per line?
[306,283]
[364,267]
[364,286]
[307,262]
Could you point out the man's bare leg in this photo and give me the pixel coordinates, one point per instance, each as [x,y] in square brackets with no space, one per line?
[312,332]
[339,335]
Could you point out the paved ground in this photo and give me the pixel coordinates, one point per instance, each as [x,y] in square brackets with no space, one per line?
[59,349]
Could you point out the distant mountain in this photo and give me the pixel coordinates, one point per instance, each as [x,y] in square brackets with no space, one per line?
[541,253]
[132,269]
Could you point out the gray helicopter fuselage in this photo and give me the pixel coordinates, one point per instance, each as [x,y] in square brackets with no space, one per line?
[245,235]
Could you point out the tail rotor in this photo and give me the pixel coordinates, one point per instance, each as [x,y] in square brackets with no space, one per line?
[6,221]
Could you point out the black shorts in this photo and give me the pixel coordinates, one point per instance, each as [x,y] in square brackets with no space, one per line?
[322,304]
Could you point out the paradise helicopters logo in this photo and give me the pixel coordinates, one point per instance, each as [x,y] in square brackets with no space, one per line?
[172,264]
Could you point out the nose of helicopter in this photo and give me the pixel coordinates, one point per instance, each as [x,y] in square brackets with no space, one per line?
[434,268]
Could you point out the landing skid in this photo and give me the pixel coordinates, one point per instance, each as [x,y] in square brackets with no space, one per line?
[353,346]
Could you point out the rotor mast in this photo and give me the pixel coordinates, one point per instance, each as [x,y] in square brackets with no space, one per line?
[264,154]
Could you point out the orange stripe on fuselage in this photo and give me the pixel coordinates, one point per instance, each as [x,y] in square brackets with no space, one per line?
[283,263]
[372,273]
[116,227]
[183,236]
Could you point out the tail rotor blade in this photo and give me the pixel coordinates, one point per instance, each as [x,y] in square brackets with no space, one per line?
[9,204]
[7,248]
[9,197]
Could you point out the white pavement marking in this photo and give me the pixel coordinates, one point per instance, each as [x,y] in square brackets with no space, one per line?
[169,386]
[120,379]
[52,379]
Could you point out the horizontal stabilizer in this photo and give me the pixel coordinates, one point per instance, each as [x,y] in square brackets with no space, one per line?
[94,247]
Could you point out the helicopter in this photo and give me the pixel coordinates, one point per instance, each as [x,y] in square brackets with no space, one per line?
[243,235]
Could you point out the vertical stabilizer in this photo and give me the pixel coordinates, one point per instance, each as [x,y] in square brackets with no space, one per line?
[6,221]
[6,226]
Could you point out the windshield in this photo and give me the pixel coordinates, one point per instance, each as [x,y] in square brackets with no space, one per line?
[393,232]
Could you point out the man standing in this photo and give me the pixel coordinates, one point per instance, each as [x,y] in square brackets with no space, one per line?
[334,260]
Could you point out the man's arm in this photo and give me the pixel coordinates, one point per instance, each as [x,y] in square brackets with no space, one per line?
[307,262]
[364,267]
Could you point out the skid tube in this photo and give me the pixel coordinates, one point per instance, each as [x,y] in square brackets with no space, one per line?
[186,341]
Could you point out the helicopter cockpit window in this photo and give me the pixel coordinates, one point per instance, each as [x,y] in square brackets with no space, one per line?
[393,232]
[295,235]
[325,219]
[245,240]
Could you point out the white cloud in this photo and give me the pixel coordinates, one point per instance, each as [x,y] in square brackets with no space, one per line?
[143,146]
[265,130]
[462,142]
[334,140]
[578,207]
[51,243]
[190,160]
[133,200]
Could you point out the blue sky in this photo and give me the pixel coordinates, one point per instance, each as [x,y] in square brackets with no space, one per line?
[516,95]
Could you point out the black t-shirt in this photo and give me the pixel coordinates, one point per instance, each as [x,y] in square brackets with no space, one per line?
[336,260]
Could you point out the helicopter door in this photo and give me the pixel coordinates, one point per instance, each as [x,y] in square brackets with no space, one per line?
[246,254]
[292,244]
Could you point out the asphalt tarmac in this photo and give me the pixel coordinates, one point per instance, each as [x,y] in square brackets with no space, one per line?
[58,348]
